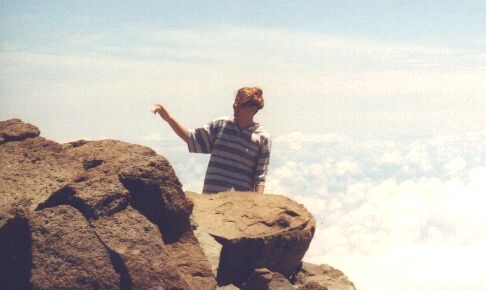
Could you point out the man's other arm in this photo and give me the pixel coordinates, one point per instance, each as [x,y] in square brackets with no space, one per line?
[179,129]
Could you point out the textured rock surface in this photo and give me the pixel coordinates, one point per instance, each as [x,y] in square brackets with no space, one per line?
[324,275]
[264,279]
[111,215]
[313,286]
[15,130]
[15,253]
[191,261]
[139,247]
[120,204]
[67,251]
[255,231]
[31,171]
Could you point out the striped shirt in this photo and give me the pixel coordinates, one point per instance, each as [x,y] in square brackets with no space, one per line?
[239,158]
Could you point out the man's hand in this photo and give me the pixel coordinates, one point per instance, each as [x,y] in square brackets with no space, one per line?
[159,109]
[260,188]
[180,130]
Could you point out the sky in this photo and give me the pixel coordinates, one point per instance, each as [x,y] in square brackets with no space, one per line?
[376,110]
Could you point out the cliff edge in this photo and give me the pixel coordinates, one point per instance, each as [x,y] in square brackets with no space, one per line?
[112,215]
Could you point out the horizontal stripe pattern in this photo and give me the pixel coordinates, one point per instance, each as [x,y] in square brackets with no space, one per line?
[239,158]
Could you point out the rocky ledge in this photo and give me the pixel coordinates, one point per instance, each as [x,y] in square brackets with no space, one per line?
[112,215]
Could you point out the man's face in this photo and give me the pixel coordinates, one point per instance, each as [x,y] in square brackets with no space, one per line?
[243,111]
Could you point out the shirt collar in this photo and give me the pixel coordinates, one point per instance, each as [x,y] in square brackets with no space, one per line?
[251,128]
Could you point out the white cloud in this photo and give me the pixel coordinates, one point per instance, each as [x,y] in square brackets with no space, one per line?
[393,208]
[419,155]
[409,235]
[274,186]
[315,63]
[415,267]
[393,157]
[313,205]
[295,140]
[477,180]
[322,63]
[455,164]
[345,167]
[288,170]
[313,81]
[153,137]
[316,169]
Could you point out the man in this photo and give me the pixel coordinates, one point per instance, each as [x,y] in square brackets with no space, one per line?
[239,147]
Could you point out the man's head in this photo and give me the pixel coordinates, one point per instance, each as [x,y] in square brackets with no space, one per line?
[248,101]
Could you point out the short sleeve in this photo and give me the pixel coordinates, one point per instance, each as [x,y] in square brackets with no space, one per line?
[201,139]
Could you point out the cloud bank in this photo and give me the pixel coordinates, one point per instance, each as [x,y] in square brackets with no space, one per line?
[354,85]
[391,214]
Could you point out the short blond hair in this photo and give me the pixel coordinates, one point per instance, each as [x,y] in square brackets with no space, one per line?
[250,96]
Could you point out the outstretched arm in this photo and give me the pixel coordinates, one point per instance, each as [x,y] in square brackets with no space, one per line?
[179,129]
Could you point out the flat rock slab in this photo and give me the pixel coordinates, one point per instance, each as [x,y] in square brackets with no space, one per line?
[255,231]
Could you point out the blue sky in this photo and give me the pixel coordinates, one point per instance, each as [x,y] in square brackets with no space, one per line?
[424,21]
[376,108]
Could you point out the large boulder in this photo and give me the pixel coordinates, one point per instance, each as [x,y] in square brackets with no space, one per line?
[119,204]
[254,231]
